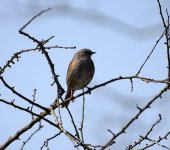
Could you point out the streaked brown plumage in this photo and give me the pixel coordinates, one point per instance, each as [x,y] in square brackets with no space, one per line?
[80,72]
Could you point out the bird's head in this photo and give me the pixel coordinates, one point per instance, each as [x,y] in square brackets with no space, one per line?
[84,53]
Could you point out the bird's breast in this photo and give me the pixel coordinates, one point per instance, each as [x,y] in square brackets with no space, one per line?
[80,73]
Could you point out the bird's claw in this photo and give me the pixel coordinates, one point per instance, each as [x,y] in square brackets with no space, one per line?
[73,99]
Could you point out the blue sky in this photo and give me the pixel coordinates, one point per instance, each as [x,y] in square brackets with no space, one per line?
[121,32]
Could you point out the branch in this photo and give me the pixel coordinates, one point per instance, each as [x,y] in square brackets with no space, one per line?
[141,110]
[142,138]
[29,138]
[32,123]
[49,139]
[156,141]
[82,120]
[17,56]
[23,27]
[33,96]
[152,51]
[22,96]
[166,27]
[13,57]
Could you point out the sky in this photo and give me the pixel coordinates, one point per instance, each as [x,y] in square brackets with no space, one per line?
[121,32]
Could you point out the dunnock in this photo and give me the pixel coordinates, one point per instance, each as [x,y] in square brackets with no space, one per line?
[80,72]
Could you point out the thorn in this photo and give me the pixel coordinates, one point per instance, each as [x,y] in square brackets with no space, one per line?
[138,107]
[89,90]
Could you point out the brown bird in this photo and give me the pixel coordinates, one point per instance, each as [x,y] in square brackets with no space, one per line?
[80,72]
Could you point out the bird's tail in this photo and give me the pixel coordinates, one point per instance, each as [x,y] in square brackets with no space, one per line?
[68,95]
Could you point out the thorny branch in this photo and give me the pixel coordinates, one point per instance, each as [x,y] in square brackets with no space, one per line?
[29,138]
[33,96]
[141,110]
[142,138]
[156,141]
[45,144]
[166,27]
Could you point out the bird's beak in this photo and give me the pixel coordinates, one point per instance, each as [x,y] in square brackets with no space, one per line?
[93,52]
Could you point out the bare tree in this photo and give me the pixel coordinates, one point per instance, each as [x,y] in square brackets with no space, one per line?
[76,134]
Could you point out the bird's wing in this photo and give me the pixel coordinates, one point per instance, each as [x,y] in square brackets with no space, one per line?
[71,72]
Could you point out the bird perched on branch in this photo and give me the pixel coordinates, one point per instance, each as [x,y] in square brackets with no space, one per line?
[80,72]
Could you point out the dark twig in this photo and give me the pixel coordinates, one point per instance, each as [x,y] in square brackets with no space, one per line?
[22,96]
[111,141]
[33,96]
[17,55]
[131,82]
[73,122]
[46,112]
[156,141]
[59,87]
[147,80]
[23,27]
[72,138]
[142,138]
[56,46]
[13,57]
[33,122]
[82,119]
[166,27]
[167,43]
[49,139]
[40,116]
[151,51]
[29,138]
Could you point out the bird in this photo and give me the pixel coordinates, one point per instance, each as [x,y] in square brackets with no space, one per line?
[80,72]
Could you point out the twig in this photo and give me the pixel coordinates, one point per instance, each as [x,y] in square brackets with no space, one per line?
[166,27]
[151,51]
[66,133]
[22,96]
[32,123]
[33,96]
[147,80]
[156,141]
[23,27]
[13,57]
[82,119]
[17,56]
[111,141]
[40,116]
[46,112]
[142,138]
[40,44]
[56,46]
[29,138]
[131,81]
[49,139]
[73,122]
[60,90]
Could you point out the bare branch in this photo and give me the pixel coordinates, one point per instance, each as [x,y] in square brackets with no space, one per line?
[22,96]
[29,138]
[142,138]
[33,96]
[111,141]
[49,139]
[156,141]
[152,51]
[82,119]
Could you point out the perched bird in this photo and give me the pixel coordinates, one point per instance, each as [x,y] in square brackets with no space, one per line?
[80,72]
